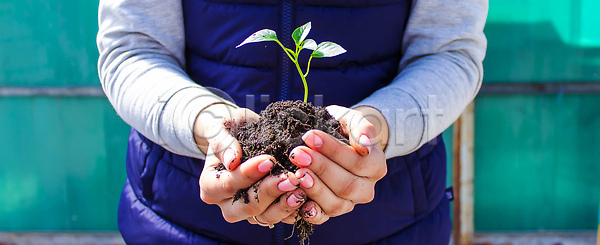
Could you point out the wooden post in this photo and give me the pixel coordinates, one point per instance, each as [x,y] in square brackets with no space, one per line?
[462,177]
[598,236]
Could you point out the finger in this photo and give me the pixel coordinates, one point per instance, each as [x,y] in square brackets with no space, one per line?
[217,185]
[245,115]
[379,122]
[231,157]
[260,197]
[332,204]
[342,183]
[360,131]
[371,166]
[238,118]
[218,133]
[209,123]
[287,205]
[312,213]
[291,219]
[226,148]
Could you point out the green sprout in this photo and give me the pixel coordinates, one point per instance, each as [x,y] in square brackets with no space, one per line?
[323,50]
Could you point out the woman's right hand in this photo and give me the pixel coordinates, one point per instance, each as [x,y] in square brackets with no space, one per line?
[218,186]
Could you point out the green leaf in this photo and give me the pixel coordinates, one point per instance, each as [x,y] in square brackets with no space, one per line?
[260,36]
[327,49]
[309,44]
[300,33]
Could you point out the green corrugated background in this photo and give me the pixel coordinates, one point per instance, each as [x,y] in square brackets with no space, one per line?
[537,167]
[61,159]
[537,157]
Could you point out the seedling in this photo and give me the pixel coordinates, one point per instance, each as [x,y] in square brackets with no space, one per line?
[323,50]
[279,142]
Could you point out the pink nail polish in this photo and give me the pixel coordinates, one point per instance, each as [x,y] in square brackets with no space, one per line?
[316,140]
[228,157]
[312,212]
[265,166]
[365,141]
[300,158]
[307,181]
[293,179]
[286,185]
[294,201]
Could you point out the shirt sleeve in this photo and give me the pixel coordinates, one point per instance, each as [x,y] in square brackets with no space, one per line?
[440,72]
[141,45]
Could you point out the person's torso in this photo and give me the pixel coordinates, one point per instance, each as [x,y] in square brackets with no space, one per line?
[257,74]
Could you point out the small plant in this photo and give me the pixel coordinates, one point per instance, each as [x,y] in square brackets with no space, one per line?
[323,50]
[271,135]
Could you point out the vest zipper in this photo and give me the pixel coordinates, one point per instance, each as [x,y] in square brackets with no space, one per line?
[286,30]
[286,40]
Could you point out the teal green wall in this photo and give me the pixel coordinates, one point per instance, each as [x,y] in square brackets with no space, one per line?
[61,164]
[61,159]
[48,42]
[543,41]
[537,156]
[537,162]
[537,167]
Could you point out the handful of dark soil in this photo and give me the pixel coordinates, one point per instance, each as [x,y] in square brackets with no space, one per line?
[278,131]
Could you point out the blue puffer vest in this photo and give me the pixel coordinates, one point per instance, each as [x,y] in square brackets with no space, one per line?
[160,203]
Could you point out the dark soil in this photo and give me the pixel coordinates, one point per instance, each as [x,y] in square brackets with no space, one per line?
[278,131]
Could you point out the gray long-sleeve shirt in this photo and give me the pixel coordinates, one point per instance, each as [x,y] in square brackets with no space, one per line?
[142,43]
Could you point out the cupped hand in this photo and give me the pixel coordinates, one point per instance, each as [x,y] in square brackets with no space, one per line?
[337,176]
[218,186]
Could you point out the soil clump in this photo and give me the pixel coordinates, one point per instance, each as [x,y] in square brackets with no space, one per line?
[278,131]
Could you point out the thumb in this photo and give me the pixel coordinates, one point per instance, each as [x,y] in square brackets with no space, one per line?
[361,133]
[226,148]
[212,130]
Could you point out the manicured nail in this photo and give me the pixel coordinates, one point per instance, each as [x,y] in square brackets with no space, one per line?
[228,157]
[300,158]
[307,181]
[365,141]
[312,212]
[286,185]
[294,201]
[293,179]
[265,166]
[313,140]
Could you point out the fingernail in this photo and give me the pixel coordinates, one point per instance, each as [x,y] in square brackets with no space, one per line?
[286,185]
[294,201]
[365,141]
[307,181]
[313,140]
[228,157]
[300,158]
[293,179]
[265,166]
[282,176]
[312,212]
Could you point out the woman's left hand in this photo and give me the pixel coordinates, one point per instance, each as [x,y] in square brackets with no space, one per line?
[337,176]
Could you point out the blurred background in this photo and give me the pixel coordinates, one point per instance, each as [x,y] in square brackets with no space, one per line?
[536,122]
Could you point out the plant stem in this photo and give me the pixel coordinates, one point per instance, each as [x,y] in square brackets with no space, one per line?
[308,66]
[303,81]
[294,57]
[288,51]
